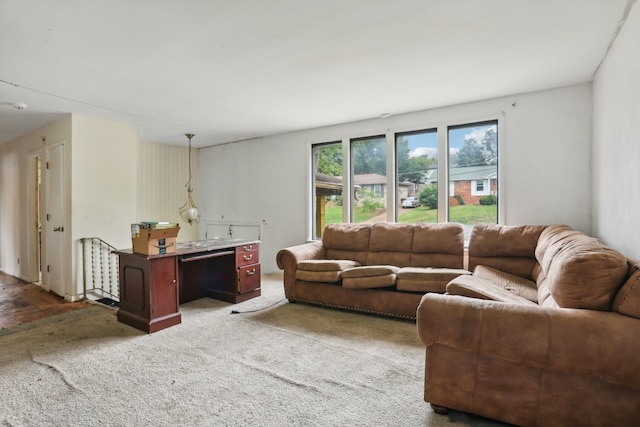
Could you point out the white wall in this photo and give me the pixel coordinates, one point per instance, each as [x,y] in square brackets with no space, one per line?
[616,141]
[546,162]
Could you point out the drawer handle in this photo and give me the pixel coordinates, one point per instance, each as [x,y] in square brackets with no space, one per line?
[251,273]
[248,248]
[247,258]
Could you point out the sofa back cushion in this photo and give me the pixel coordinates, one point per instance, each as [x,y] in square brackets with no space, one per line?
[627,300]
[347,241]
[578,271]
[390,243]
[509,248]
[438,245]
[403,245]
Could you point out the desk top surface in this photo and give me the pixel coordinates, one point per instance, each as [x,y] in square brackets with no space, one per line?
[197,246]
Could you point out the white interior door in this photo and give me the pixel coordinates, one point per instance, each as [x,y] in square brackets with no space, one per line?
[54,221]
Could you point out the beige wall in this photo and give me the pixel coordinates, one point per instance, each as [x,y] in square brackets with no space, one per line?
[103,186]
[162,175]
[17,221]
[103,179]
[112,180]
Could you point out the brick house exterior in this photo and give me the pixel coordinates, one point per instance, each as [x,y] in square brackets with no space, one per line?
[469,184]
[463,189]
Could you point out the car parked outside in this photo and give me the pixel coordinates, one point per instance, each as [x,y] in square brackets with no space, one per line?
[411,202]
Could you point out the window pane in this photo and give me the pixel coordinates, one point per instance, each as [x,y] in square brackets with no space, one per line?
[473,173]
[327,184]
[417,168]
[369,178]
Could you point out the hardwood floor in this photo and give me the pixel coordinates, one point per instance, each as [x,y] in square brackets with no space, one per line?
[22,302]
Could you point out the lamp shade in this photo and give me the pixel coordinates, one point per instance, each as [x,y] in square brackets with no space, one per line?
[189,214]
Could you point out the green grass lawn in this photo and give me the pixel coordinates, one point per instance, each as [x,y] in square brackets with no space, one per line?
[333,215]
[474,214]
[466,214]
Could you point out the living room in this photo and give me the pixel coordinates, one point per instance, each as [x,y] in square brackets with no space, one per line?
[585,124]
[568,156]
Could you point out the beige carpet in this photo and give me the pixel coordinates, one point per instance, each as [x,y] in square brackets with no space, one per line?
[286,365]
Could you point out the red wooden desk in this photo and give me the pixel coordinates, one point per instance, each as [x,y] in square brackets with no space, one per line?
[153,286]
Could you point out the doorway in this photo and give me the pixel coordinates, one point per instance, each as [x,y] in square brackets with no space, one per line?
[47,218]
[35,217]
[53,243]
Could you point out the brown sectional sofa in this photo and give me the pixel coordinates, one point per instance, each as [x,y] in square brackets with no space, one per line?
[545,332]
[381,268]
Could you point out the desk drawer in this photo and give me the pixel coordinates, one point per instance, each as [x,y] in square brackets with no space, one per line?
[248,278]
[246,255]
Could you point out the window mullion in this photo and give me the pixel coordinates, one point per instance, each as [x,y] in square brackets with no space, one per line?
[391,199]
[443,174]
[347,185]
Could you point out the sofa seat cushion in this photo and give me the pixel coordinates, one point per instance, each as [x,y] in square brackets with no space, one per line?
[323,270]
[327,264]
[426,279]
[475,287]
[509,282]
[370,276]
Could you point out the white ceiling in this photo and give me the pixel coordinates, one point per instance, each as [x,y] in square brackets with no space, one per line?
[228,70]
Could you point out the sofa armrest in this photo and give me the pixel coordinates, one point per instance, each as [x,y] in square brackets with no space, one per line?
[590,343]
[288,258]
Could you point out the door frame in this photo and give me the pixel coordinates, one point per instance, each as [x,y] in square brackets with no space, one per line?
[34,239]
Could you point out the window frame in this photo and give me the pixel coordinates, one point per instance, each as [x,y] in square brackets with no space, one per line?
[313,217]
[395,137]
[442,127]
[351,167]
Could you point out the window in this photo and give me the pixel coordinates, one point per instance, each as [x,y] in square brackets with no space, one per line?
[480,187]
[466,156]
[369,179]
[417,175]
[473,173]
[327,186]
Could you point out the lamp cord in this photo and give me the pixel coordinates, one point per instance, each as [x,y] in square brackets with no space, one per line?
[257,309]
[188,184]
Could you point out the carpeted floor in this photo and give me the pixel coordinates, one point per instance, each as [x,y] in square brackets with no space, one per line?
[286,365]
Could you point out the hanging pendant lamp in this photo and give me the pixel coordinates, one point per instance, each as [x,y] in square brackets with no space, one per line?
[189,211]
